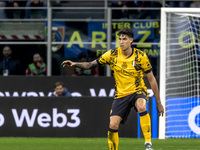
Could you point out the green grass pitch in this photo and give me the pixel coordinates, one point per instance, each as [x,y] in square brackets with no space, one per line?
[12,143]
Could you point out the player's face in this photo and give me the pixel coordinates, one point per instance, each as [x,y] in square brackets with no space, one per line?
[59,90]
[125,42]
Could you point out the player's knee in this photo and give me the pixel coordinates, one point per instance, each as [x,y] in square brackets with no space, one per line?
[114,126]
[114,122]
[141,109]
[141,105]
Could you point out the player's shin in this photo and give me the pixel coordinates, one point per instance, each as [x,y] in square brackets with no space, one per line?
[113,139]
[145,123]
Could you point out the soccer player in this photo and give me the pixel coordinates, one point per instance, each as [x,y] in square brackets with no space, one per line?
[128,65]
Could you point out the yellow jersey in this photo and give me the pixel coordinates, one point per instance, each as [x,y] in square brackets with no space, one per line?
[127,71]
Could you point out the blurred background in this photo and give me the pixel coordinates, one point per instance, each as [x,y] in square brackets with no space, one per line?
[62,29]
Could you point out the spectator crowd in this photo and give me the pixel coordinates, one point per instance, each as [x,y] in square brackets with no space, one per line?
[16,12]
[10,65]
[118,13]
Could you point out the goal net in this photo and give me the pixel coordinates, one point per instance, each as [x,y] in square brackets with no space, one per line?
[180,73]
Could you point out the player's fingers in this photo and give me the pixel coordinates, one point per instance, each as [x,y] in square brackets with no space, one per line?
[64,63]
[161,113]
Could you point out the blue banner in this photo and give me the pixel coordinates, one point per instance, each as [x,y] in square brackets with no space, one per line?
[183,117]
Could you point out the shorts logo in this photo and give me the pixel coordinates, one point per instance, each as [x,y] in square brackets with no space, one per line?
[139,92]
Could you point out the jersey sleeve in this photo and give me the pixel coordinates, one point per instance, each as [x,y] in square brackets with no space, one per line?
[146,65]
[104,59]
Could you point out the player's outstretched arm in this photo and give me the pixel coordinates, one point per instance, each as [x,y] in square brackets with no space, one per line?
[67,63]
[154,87]
[84,65]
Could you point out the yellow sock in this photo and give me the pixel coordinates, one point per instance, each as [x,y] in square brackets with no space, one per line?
[113,140]
[145,123]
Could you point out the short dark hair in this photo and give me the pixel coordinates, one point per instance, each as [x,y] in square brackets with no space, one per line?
[126,31]
[58,84]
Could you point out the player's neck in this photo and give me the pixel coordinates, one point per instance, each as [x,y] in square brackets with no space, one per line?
[127,52]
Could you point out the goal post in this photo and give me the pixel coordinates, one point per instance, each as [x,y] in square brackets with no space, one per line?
[179,73]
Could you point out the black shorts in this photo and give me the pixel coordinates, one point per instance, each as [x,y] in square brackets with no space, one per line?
[122,106]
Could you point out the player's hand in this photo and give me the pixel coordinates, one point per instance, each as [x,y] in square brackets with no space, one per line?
[68,63]
[160,109]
